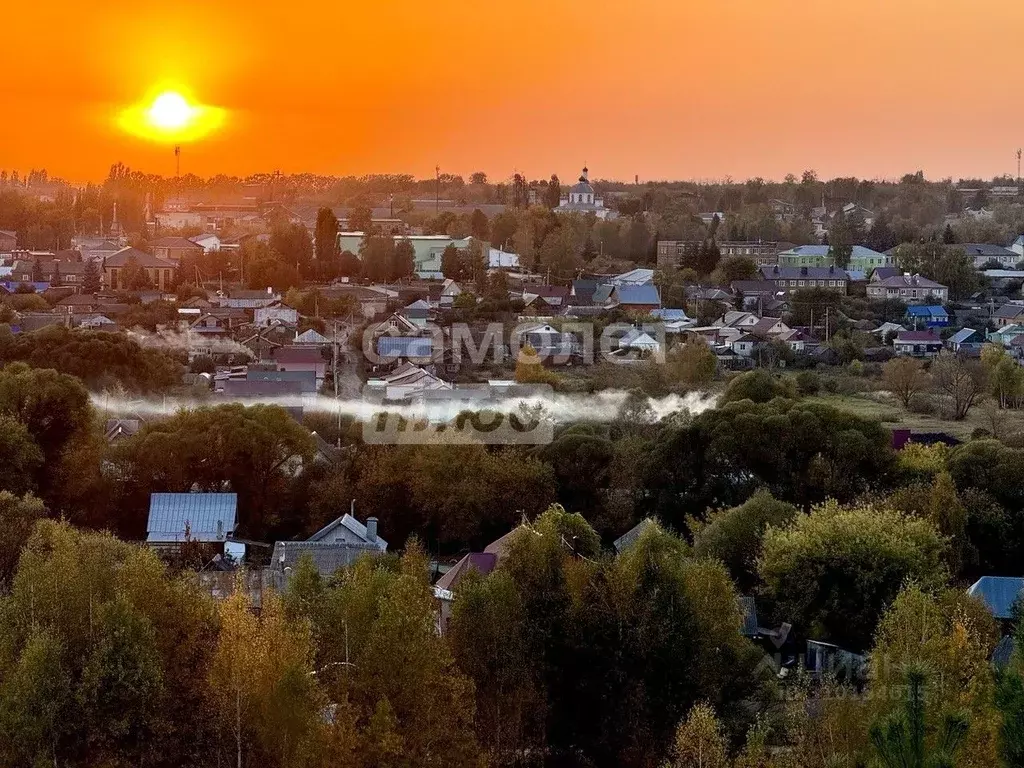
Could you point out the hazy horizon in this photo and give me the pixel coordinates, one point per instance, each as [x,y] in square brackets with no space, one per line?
[662,90]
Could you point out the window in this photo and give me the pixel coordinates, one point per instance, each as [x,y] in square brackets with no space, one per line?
[801,283]
[831,283]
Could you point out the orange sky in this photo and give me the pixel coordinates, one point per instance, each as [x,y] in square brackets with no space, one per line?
[659,88]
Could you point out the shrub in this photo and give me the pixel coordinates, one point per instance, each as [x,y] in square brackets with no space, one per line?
[923,403]
[808,383]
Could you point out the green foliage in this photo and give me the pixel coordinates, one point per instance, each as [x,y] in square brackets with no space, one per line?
[734,536]
[246,450]
[758,386]
[802,452]
[833,572]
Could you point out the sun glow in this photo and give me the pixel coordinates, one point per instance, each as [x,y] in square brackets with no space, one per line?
[169,116]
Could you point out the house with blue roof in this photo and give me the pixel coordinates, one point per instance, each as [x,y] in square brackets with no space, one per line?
[418,350]
[638,299]
[174,518]
[862,259]
[998,593]
[927,316]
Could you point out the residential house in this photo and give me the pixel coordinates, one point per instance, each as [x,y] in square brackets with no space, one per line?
[983,253]
[1011,313]
[769,327]
[117,430]
[246,299]
[408,381]
[293,358]
[396,350]
[174,249]
[795,339]
[207,518]
[449,290]
[792,278]
[481,562]
[1005,334]
[311,338]
[306,381]
[743,321]
[862,259]
[927,316]
[910,289]
[744,345]
[209,242]
[635,299]
[159,272]
[499,259]
[418,313]
[633,277]
[639,341]
[998,593]
[550,344]
[918,344]
[335,546]
[1018,246]
[966,341]
[277,313]
[546,299]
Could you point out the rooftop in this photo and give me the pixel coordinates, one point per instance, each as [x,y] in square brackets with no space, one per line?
[208,517]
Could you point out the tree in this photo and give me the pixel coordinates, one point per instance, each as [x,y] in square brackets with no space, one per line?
[478,177]
[403,260]
[90,277]
[961,379]
[948,238]
[1005,378]
[900,739]
[851,557]
[20,457]
[693,363]
[134,277]
[293,246]
[553,192]
[478,224]
[904,377]
[451,263]
[360,219]
[734,536]
[699,741]
[379,652]
[758,386]
[326,235]
[737,268]
[266,701]
[1010,700]
[18,516]
[377,255]
[952,636]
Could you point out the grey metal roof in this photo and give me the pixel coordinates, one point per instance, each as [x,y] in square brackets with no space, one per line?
[999,593]
[306,380]
[405,346]
[637,294]
[961,336]
[327,557]
[209,517]
[626,540]
[984,249]
[1003,652]
[358,528]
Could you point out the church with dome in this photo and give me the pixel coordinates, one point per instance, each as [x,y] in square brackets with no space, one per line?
[581,199]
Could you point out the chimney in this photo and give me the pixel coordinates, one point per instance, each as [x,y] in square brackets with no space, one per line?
[371,529]
[220,529]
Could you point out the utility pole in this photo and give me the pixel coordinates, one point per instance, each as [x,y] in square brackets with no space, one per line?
[1018,167]
[437,188]
[337,405]
[177,161]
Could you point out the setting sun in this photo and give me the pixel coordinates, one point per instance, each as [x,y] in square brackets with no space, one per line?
[170,111]
[171,116]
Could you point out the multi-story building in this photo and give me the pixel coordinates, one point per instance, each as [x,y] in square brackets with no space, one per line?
[117,270]
[862,259]
[910,289]
[671,252]
[792,278]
